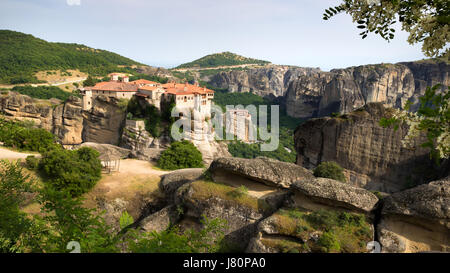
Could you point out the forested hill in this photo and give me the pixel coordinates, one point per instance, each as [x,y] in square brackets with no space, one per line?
[22,55]
[221,59]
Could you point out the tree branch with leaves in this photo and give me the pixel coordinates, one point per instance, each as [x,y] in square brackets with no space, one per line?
[427,21]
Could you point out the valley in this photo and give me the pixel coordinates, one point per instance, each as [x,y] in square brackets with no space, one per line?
[99,125]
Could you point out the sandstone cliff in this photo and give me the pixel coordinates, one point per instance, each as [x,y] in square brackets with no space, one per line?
[373,156]
[309,92]
[72,125]
[344,90]
[103,123]
[268,80]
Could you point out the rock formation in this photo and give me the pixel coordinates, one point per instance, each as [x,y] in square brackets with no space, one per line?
[308,215]
[268,80]
[68,121]
[372,156]
[310,92]
[344,90]
[417,220]
[104,122]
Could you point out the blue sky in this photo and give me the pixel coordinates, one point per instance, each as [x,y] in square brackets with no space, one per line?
[170,32]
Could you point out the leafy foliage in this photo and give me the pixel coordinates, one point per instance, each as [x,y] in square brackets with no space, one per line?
[14,223]
[208,239]
[426,21]
[75,172]
[22,55]
[44,92]
[432,118]
[339,231]
[180,155]
[330,170]
[23,136]
[221,59]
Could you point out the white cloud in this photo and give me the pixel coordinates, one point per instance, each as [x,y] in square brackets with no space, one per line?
[73,2]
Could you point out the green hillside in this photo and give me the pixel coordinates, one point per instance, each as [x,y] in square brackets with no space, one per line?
[221,59]
[22,55]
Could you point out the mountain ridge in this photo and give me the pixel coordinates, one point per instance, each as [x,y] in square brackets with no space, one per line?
[22,55]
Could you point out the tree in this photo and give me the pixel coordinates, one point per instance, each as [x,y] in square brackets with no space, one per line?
[89,81]
[330,170]
[426,21]
[180,155]
[432,118]
[74,171]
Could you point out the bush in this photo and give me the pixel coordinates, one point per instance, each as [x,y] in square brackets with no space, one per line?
[74,171]
[330,170]
[32,162]
[329,243]
[21,136]
[181,155]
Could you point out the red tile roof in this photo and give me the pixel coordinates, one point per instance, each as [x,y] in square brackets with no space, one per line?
[149,88]
[143,81]
[114,86]
[185,88]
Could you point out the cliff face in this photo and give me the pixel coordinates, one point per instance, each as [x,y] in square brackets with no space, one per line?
[344,90]
[269,80]
[67,120]
[310,92]
[373,156]
[103,123]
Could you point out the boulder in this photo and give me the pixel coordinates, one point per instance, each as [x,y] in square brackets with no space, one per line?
[172,181]
[336,194]
[160,220]
[417,220]
[264,170]
[107,149]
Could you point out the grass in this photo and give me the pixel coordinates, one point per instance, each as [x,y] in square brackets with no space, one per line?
[204,190]
[338,231]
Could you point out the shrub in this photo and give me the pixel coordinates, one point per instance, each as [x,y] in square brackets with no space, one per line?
[32,162]
[74,171]
[180,155]
[330,170]
[328,242]
[20,135]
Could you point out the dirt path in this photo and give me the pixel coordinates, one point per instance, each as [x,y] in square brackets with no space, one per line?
[13,155]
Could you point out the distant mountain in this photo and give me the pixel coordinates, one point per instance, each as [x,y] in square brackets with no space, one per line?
[221,59]
[22,55]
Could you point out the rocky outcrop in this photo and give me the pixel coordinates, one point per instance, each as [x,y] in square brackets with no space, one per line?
[373,156]
[417,220]
[268,80]
[172,181]
[104,122]
[265,170]
[73,126]
[20,107]
[335,194]
[107,149]
[68,121]
[344,90]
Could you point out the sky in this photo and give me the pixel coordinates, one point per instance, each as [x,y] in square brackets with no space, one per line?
[167,33]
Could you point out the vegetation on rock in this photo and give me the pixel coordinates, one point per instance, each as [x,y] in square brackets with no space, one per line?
[330,170]
[180,155]
[23,136]
[221,59]
[44,92]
